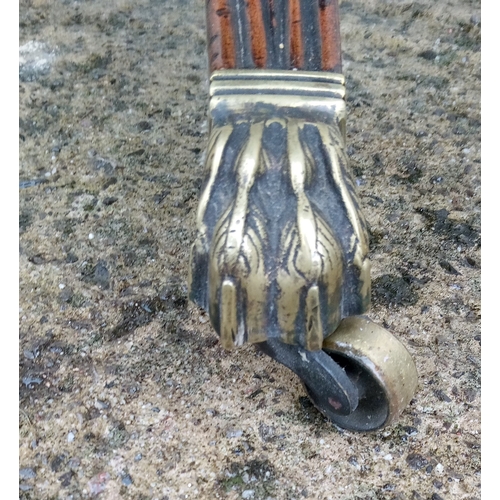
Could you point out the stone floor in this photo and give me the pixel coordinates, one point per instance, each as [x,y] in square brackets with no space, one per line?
[125,391]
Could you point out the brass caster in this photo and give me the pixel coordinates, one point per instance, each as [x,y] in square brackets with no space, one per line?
[378,365]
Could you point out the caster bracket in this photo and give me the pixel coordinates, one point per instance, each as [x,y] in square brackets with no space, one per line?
[316,369]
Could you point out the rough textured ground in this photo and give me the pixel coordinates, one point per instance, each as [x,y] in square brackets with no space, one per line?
[124,389]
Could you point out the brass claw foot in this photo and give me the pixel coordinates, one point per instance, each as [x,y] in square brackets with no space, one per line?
[281,247]
[280,258]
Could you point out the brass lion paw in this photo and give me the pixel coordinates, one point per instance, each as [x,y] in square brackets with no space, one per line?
[280,257]
[281,247]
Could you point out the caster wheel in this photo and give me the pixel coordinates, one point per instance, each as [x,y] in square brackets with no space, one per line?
[380,367]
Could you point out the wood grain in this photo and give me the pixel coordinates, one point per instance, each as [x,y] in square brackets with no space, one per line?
[274,34]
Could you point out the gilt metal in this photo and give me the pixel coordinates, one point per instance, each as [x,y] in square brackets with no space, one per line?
[281,246]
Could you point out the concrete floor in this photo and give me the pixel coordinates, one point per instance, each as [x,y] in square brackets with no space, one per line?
[125,391]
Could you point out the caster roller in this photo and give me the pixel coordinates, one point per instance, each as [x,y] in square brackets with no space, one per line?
[281,252]
[378,365]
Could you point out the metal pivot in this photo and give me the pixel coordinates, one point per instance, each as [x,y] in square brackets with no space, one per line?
[280,257]
[334,389]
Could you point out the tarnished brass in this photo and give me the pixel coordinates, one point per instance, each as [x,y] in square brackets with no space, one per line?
[281,249]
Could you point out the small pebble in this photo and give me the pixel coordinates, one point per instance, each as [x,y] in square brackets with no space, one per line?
[437,484]
[66,478]
[248,494]
[31,380]
[27,473]
[71,437]
[411,431]
[101,405]
[127,480]
[98,483]
[234,433]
